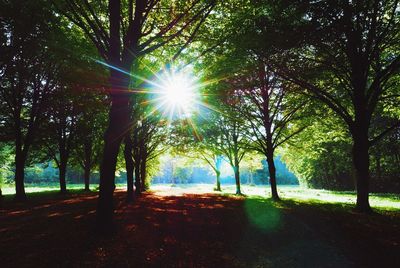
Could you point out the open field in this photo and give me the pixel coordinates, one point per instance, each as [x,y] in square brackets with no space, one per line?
[188,227]
[378,200]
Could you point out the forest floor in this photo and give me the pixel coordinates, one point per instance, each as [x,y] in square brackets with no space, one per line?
[164,228]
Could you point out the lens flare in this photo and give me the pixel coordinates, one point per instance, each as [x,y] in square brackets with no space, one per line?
[179,94]
[173,92]
[176,94]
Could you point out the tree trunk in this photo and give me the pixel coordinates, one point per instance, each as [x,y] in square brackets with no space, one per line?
[136,157]
[143,166]
[397,156]
[86,177]
[20,159]
[237,179]
[129,164]
[361,166]
[378,166]
[272,176]
[87,163]
[117,126]
[62,172]
[218,173]
[137,176]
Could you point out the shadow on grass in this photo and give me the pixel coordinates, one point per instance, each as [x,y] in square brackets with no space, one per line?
[196,230]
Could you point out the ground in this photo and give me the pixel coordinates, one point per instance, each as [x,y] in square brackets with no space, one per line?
[175,227]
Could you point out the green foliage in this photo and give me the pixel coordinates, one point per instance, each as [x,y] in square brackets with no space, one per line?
[323,155]
[6,163]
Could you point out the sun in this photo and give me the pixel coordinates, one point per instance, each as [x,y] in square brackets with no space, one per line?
[177,94]
[178,91]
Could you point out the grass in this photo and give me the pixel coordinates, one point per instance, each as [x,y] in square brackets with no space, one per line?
[193,226]
[380,201]
[34,188]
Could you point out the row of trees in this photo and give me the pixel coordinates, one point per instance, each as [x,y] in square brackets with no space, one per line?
[46,97]
[344,55]
[297,65]
[279,69]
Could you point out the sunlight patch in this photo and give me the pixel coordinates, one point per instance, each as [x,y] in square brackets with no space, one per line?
[262,215]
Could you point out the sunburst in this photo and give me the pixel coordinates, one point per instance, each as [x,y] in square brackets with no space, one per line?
[175,93]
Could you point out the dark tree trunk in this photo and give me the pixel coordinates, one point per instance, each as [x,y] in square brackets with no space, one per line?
[359,131]
[62,173]
[117,126]
[218,173]
[397,156]
[136,157]
[87,163]
[361,166]
[20,160]
[237,179]
[118,121]
[143,166]
[86,177]
[129,164]
[137,176]
[272,176]
[62,166]
[378,166]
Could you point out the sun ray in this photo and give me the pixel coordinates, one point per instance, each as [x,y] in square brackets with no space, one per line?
[150,82]
[173,93]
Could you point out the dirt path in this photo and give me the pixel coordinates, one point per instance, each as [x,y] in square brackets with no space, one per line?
[195,231]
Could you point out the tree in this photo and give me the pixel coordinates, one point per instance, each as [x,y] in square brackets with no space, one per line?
[28,71]
[322,152]
[89,128]
[270,111]
[214,161]
[359,52]
[267,103]
[63,114]
[226,132]
[70,101]
[251,163]
[198,143]
[148,138]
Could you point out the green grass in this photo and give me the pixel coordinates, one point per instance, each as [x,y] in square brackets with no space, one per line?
[379,201]
[35,188]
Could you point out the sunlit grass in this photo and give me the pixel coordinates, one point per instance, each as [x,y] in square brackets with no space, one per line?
[380,201]
[297,193]
[377,200]
[35,188]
